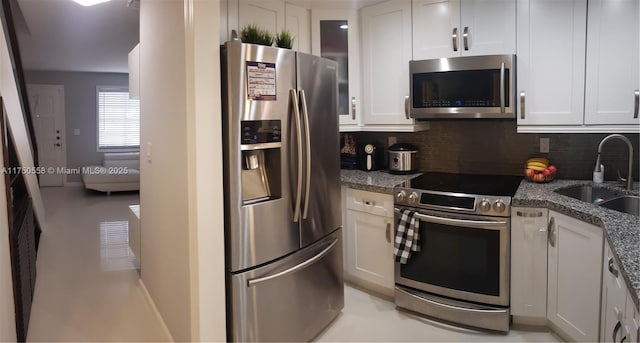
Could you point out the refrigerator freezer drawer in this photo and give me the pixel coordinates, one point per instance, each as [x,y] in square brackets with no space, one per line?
[292,299]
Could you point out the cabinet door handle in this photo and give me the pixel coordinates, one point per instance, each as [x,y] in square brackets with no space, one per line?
[529,214]
[465,39]
[612,267]
[353,108]
[637,103]
[522,105]
[454,38]
[388,232]
[616,329]
[406,107]
[552,232]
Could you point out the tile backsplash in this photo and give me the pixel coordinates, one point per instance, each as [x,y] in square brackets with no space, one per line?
[495,147]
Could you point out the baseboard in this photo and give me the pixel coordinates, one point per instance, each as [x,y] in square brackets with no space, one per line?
[155,311]
[73,184]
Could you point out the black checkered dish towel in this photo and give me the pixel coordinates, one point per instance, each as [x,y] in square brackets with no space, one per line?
[407,236]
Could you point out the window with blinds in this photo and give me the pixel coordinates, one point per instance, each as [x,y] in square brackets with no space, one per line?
[118,120]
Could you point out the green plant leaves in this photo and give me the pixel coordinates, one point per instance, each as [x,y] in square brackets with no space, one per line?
[254,35]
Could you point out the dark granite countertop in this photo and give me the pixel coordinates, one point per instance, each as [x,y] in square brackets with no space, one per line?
[373,181]
[621,230]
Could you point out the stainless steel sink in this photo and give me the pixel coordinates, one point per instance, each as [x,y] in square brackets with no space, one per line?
[588,193]
[627,204]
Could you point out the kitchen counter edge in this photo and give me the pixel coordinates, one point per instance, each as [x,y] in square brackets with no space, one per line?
[621,230]
[378,181]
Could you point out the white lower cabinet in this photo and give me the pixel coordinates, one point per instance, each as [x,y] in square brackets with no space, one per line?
[574,277]
[632,321]
[529,265]
[369,240]
[619,317]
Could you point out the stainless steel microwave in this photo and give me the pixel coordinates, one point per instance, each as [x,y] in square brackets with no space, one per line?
[463,87]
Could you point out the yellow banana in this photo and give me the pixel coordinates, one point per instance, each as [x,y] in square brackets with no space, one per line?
[535,167]
[539,164]
[539,160]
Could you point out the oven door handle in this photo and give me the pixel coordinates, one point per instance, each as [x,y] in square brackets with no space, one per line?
[457,222]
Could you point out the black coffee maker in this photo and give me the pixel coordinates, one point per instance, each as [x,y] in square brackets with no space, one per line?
[369,156]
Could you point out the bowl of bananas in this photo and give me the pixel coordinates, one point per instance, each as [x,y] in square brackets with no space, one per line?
[538,169]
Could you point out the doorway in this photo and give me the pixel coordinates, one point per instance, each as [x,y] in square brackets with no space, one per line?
[48,116]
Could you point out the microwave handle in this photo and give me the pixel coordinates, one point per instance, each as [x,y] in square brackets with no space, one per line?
[502,82]
[406,107]
[465,35]
[522,105]
[454,39]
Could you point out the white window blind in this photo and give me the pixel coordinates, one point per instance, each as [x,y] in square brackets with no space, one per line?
[118,120]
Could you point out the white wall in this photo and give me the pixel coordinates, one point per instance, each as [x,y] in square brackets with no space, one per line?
[181,184]
[206,195]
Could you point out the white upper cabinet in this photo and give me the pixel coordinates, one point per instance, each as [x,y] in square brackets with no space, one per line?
[386,52]
[612,91]
[298,22]
[334,35]
[551,64]
[266,14]
[488,27]
[451,28]
[436,26]
[271,15]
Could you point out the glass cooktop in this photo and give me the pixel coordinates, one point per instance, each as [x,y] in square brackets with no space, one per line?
[494,185]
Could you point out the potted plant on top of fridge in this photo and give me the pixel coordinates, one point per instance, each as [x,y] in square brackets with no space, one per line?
[284,39]
[254,35]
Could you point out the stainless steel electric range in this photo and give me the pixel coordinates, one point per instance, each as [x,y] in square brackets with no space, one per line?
[461,273]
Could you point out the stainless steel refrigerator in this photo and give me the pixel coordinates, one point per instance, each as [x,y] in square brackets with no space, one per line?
[282,210]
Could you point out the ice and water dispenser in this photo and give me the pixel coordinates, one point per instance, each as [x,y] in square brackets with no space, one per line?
[261,145]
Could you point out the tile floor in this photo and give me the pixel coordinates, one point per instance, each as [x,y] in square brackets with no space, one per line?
[87,288]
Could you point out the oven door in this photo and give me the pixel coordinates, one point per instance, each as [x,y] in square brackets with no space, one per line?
[465,257]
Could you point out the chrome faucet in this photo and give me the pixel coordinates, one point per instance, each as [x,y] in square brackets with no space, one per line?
[626,140]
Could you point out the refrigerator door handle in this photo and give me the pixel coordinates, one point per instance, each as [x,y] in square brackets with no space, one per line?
[305,120]
[293,96]
[295,268]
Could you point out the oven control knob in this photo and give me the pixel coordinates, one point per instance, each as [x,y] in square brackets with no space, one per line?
[413,198]
[499,206]
[401,196]
[485,205]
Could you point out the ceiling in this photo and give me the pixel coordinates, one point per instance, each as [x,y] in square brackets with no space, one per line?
[61,35]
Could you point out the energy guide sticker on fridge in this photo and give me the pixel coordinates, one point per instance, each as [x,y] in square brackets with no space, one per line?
[261,80]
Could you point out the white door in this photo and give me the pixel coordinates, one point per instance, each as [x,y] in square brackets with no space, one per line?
[488,27]
[612,86]
[529,262]
[614,294]
[47,112]
[298,22]
[574,280]
[551,61]
[436,29]
[370,254]
[386,52]
[266,14]
[334,35]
